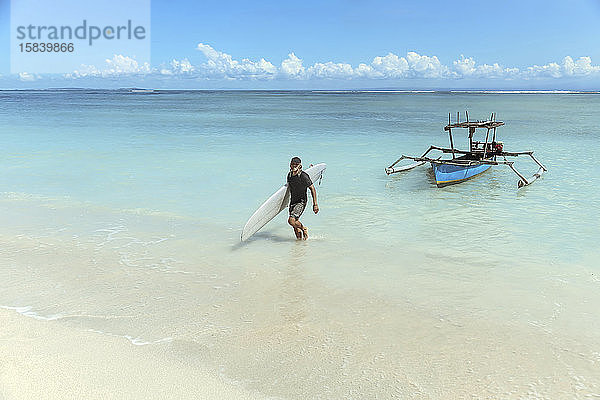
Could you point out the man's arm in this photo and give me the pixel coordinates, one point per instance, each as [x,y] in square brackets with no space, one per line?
[313,192]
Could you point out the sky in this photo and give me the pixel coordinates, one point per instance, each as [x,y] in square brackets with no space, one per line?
[345,44]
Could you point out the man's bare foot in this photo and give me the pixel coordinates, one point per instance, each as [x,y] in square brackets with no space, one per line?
[305,232]
[298,233]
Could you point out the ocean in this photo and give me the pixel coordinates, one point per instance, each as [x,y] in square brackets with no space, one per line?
[122,214]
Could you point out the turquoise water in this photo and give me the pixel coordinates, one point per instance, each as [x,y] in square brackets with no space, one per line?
[215,156]
[462,273]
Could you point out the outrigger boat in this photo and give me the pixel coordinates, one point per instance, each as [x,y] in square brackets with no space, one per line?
[467,164]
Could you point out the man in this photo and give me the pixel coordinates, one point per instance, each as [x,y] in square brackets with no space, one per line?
[298,181]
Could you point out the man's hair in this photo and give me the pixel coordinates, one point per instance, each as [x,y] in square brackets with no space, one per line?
[296,160]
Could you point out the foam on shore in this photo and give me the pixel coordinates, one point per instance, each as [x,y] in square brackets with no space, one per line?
[46,360]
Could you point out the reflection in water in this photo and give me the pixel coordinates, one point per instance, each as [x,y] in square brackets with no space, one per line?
[293,294]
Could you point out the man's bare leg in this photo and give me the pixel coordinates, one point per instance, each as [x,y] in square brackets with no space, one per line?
[304,232]
[297,225]
[298,233]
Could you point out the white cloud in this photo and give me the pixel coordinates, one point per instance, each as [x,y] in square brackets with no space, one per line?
[426,67]
[222,65]
[117,66]
[582,67]
[183,67]
[551,70]
[390,66]
[292,67]
[27,77]
[330,70]
[121,65]
[467,68]
[568,68]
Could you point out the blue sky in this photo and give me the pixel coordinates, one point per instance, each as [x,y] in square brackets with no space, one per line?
[350,44]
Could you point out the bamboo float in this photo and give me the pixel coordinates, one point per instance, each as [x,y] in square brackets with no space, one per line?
[532,179]
[392,170]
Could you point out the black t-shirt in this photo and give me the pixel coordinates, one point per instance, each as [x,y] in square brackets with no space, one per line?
[298,185]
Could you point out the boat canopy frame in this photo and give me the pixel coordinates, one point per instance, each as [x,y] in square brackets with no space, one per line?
[484,153]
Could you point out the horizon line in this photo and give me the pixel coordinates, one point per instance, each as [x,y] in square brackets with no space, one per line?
[383,91]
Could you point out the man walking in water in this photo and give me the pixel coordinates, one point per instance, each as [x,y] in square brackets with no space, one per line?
[298,181]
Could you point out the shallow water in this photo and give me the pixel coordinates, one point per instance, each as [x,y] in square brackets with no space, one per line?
[122,214]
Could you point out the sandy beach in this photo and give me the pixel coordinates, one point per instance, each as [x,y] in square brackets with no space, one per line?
[268,330]
[45,360]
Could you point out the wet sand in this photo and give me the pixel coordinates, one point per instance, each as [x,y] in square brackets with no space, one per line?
[46,360]
[108,304]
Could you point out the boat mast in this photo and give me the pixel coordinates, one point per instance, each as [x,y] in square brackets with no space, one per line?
[487,135]
[450,134]
[471,132]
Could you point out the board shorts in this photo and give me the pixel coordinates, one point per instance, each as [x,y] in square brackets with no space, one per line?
[297,209]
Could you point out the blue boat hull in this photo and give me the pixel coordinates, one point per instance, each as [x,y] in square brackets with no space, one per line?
[450,174]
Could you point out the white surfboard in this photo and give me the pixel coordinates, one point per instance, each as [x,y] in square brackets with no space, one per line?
[276,203]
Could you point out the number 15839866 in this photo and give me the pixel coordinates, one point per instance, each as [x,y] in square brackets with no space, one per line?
[46,47]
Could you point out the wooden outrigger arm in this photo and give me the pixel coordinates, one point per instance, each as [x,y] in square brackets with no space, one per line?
[392,169]
[522,180]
